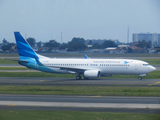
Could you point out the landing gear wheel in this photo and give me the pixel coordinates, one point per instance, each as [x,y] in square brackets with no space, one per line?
[78,77]
[140,78]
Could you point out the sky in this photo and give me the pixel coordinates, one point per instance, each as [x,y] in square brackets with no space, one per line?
[89,19]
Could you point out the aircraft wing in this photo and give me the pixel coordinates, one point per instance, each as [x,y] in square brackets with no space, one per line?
[75,69]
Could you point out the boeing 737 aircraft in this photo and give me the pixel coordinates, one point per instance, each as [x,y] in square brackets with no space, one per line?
[88,68]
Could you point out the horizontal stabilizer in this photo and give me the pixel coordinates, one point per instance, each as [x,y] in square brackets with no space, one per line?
[22,61]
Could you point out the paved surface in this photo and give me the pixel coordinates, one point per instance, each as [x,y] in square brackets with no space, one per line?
[79,99]
[71,81]
[81,103]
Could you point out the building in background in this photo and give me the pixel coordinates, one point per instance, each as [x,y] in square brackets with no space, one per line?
[99,41]
[153,37]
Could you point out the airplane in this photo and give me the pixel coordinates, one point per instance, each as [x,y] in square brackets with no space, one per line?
[88,68]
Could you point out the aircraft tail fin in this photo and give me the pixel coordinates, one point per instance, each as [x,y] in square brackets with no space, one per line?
[24,49]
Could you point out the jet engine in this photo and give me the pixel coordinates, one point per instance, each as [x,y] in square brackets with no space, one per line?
[92,73]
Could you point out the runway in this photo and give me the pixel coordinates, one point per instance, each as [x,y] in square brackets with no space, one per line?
[80,99]
[72,82]
[81,103]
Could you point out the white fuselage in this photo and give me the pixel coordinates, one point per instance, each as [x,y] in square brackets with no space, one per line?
[105,66]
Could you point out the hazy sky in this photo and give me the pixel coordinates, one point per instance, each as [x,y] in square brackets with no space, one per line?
[88,19]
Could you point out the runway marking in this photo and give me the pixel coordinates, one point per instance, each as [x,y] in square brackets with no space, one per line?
[12,105]
[95,96]
[81,105]
[154,83]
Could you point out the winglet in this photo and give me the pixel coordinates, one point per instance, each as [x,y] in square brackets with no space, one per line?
[86,57]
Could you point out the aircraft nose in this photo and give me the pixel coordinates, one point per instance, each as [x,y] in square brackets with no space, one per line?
[152,68]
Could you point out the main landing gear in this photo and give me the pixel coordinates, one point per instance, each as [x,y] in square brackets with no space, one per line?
[140,78]
[78,77]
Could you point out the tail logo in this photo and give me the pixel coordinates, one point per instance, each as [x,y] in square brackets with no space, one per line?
[125,62]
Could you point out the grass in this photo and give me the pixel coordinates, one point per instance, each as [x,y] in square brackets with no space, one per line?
[152,61]
[35,74]
[5,61]
[14,68]
[82,90]
[153,75]
[72,115]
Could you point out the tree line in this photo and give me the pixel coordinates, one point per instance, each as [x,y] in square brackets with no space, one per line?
[76,44]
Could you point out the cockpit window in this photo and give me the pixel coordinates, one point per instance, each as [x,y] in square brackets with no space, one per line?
[145,64]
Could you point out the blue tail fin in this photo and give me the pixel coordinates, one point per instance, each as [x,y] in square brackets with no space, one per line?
[24,49]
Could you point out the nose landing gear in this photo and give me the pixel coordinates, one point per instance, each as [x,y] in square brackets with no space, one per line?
[141,75]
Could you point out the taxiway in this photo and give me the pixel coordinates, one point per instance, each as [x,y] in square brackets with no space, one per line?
[71,81]
[80,103]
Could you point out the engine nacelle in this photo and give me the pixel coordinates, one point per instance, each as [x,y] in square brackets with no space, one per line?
[92,73]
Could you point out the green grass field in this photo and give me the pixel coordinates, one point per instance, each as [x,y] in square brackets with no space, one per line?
[6,61]
[14,68]
[152,61]
[72,115]
[82,90]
